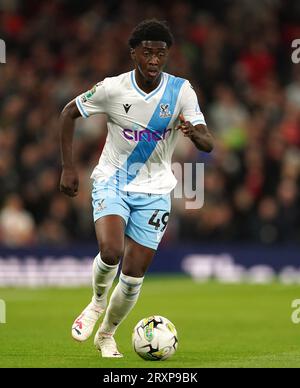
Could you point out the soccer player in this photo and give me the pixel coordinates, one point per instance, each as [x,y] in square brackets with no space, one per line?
[146,109]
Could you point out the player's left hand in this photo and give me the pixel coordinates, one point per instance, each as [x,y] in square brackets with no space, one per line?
[186,127]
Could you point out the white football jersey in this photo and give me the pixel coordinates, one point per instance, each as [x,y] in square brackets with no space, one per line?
[141,130]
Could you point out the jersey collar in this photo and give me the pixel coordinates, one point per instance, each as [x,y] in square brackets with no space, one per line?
[141,92]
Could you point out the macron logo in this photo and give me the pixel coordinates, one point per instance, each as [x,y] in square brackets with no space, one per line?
[146,135]
[126,107]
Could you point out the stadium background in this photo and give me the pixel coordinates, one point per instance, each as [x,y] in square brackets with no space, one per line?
[237,54]
[249,91]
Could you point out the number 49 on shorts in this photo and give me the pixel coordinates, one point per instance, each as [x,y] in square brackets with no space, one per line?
[157,221]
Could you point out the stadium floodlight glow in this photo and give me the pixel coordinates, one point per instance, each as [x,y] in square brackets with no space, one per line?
[2,311]
[2,51]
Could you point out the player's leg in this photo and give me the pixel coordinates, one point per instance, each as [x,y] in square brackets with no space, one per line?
[110,236]
[145,228]
[110,216]
[136,261]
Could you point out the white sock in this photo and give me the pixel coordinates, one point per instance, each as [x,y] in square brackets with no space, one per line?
[103,277]
[122,301]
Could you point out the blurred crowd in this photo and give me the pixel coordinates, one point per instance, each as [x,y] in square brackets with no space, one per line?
[237,55]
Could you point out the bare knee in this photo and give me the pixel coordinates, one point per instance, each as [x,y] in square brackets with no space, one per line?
[135,272]
[110,254]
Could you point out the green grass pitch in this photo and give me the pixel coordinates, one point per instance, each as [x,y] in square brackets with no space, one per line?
[218,325]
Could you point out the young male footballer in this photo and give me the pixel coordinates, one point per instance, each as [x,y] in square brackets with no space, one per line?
[146,108]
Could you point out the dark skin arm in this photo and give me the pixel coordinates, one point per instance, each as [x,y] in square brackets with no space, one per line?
[199,134]
[69,180]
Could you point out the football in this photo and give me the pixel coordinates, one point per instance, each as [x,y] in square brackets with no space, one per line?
[155,338]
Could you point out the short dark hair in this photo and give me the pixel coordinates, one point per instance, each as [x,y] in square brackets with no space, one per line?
[151,29]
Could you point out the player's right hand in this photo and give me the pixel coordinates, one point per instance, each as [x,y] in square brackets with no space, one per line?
[69,182]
